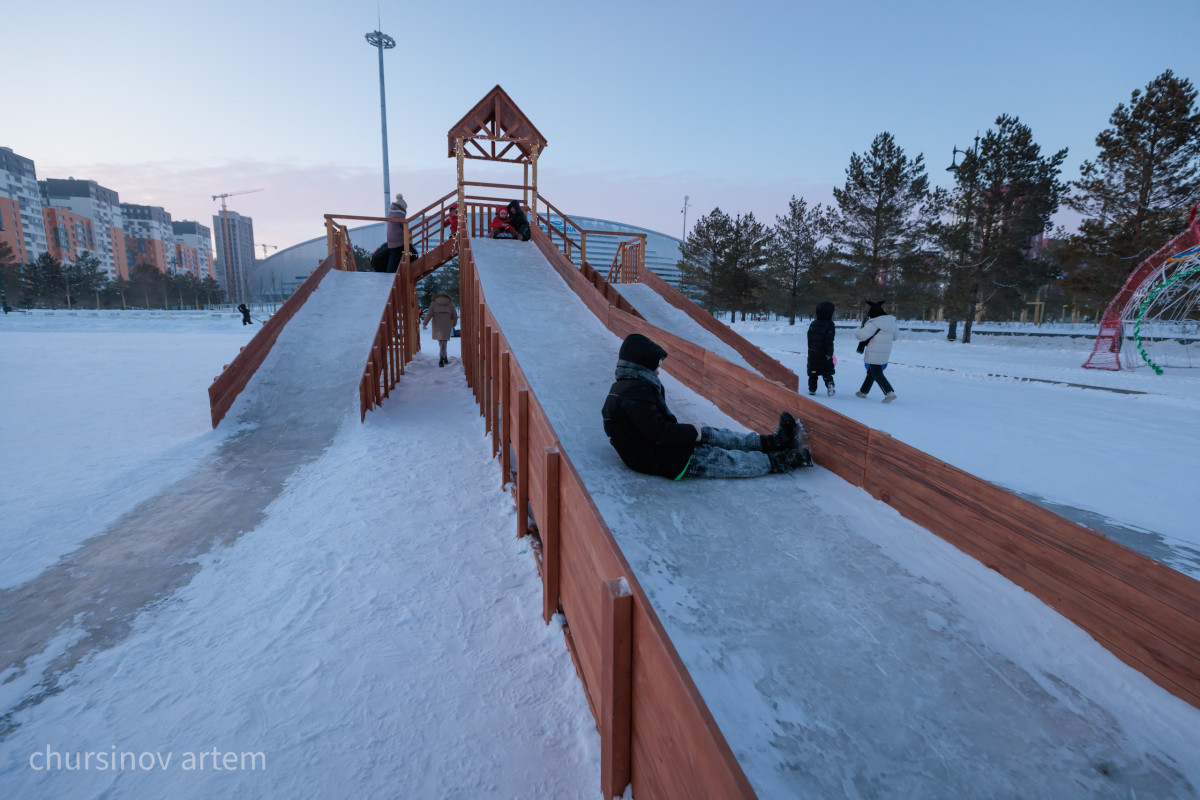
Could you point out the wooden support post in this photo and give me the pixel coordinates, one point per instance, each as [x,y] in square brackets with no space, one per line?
[485,387]
[494,375]
[616,688]
[505,417]
[522,448]
[548,525]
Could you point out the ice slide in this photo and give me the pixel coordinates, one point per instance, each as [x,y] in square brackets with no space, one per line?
[285,418]
[843,650]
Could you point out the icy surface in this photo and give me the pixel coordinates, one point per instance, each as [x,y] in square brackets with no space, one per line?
[364,628]
[657,311]
[843,650]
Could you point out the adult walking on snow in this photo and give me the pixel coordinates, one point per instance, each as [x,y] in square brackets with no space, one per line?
[875,339]
[444,317]
[820,348]
[397,232]
[649,439]
[245,314]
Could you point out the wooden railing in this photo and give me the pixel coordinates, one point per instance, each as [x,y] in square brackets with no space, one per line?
[233,378]
[1144,612]
[661,737]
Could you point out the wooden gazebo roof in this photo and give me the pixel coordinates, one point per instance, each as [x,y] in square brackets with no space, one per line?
[496,130]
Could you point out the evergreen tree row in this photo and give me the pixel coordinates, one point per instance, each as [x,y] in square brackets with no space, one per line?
[83,284]
[978,250]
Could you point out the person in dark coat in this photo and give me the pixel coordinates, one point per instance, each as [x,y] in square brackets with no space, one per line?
[399,239]
[517,218]
[245,314]
[649,439]
[379,259]
[820,348]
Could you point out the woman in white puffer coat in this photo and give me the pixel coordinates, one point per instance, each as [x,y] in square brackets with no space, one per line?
[879,331]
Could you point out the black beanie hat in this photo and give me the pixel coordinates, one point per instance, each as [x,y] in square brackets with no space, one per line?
[640,350]
[876,308]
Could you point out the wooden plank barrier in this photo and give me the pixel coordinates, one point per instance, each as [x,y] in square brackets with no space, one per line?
[755,357]
[237,374]
[656,731]
[1144,612]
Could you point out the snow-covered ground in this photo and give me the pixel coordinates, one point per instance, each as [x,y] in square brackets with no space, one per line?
[378,632]
[1112,450]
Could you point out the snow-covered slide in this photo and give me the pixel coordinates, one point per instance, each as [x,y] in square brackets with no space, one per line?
[841,649]
[286,416]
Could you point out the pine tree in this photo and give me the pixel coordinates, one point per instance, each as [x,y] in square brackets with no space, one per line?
[11,282]
[43,279]
[795,256]
[86,276]
[1006,192]
[1135,196]
[885,221]
[704,261]
[747,259]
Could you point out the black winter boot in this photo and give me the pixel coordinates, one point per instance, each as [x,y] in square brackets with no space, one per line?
[784,437]
[789,460]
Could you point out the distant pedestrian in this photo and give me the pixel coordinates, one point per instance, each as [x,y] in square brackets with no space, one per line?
[444,317]
[875,339]
[245,314]
[820,348]
[397,232]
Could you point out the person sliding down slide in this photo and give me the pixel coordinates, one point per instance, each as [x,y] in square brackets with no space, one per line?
[649,439]
[500,227]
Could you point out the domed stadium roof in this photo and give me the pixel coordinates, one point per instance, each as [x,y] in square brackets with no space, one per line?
[276,277]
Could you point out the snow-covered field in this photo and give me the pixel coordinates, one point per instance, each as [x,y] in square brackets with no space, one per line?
[1112,450]
[379,632]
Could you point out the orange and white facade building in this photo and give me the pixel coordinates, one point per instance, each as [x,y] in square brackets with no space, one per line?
[100,205]
[21,223]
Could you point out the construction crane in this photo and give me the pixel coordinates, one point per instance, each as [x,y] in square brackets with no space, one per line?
[264,247]
[230,285]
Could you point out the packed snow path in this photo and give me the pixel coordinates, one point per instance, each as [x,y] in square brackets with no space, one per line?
[843,650]
[285,419]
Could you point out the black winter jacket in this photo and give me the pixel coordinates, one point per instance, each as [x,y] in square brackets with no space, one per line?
[820,341]
[517,218]
[642,429]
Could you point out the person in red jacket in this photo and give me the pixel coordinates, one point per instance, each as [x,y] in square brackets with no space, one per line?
[451,220]
[500,227]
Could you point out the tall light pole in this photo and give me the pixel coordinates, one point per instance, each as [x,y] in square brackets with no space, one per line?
[382,41]
[684,212]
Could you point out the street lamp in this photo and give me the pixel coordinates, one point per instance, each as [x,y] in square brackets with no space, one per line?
[974,151]
[382,41]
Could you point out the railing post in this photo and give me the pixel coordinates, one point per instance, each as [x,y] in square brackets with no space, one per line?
[485,387]
[494,374]
[616,688]
[523,465]
[505,412]
[550,533]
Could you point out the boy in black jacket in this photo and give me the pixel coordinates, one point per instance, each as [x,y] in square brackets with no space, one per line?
[820,348]
[649,439]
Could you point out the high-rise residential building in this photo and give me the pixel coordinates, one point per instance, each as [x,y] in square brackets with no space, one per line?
[235,254]
[193,248]
[149,237]
[21,223]
[103,207]
[67,234]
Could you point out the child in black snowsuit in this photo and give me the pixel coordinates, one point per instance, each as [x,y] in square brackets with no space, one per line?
[245,314]
[517,218]
[820,349]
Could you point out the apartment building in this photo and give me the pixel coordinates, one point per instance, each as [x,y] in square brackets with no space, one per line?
[149,237]
[100,205]
[21,224]
[235,254]
[193,248]
[67,234]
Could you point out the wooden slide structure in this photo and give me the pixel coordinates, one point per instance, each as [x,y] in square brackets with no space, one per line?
[656,729]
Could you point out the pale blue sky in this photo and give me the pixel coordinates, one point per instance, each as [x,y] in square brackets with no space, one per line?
[737,104]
